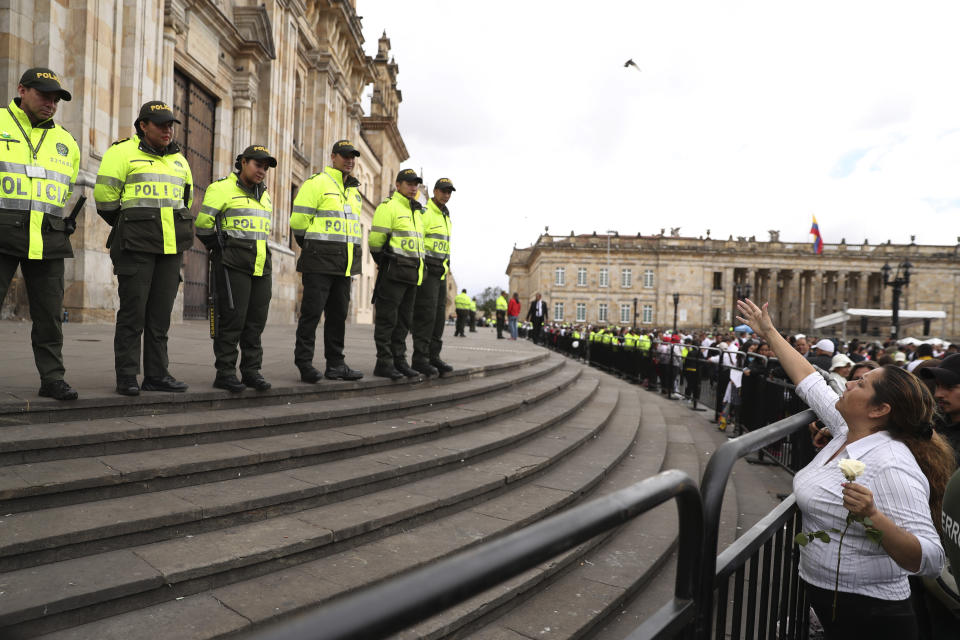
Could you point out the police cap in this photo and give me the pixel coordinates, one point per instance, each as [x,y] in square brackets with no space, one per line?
[157,112]
[43,79]
[444,184]
[259,152]
[345,148]
[409,175]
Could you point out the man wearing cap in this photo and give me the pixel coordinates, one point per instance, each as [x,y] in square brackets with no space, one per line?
[429,310]
[40,161]
[947,395]
[144,192]
[821,354]
[326,224]
[238,208]
[396,245]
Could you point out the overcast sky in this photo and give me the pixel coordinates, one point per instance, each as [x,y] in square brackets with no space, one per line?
[744,117]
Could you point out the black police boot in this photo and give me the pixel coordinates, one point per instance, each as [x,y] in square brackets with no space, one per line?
[441,366]
[342,372]
[166,383]
[127,386]
[387,371]
[58,390]
[229,383]
[256,381]
[426,369]
[405,369]
[311,375]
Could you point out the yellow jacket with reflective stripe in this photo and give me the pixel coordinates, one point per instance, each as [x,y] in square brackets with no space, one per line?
[462,301]
[245,221]
[436,238]
[31,204]
[501,303]
[141,190]
[400,219]
[473,305]
[326,218]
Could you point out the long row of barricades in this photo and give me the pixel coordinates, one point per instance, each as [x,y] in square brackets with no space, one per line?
[701,377]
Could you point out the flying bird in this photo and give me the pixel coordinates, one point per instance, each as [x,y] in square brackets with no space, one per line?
[630,63]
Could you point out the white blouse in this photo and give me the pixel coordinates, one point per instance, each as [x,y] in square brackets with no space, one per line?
[900,491]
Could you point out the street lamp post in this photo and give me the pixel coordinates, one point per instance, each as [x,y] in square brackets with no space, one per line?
[897,283]
[676,303]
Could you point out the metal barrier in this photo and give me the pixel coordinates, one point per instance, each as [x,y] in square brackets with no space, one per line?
[788,607]
[387,608]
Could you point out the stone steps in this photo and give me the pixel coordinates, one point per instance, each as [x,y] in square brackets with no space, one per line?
[191,541]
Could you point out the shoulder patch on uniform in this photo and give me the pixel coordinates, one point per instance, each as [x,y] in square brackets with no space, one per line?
[119,141]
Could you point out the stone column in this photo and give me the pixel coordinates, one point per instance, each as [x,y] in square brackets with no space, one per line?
[843,293]
[773,294]
[242,123]
[816,294]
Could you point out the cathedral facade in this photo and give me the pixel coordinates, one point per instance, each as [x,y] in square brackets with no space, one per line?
[633,280]
[288,74]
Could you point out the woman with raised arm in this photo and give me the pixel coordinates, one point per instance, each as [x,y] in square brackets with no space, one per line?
[884,420]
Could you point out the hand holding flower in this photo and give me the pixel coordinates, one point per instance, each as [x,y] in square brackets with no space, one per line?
[859,501]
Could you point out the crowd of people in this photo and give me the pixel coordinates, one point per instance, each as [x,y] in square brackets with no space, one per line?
[893,404]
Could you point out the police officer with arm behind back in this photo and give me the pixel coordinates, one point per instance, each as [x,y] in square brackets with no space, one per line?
[39,162]
[144,192]
[429,310]
[326,224]
[238,208]
[396,244]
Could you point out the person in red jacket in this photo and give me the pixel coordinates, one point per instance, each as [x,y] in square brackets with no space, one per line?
[513,312]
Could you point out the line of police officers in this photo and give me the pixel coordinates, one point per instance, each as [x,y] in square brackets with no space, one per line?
[144,192]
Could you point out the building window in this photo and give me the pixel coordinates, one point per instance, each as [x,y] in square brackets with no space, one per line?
[624,314]
[717,282]
[581,312]
[559,276]
[558,311]
[604,277]
[646,316]
[626,277]
[717,314]
[602,312]
[582,277]
[648,279]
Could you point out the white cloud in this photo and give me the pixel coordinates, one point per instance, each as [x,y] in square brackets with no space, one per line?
[745,117]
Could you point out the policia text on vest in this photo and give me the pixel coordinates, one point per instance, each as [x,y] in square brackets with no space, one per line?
[144,192]
[39,163]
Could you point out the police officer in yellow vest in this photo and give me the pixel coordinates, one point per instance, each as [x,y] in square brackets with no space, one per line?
[396,242]
[473,315]
[39,162]
[326,224]
[501,313]
[462,304]
[144,191]
[429,309]
[239,206]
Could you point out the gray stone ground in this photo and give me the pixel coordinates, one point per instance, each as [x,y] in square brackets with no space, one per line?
[88,355]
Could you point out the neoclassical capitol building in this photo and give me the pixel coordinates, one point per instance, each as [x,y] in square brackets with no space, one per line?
[288,74]
[622,279]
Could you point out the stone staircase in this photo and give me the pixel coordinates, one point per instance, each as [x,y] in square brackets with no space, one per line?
[205,515]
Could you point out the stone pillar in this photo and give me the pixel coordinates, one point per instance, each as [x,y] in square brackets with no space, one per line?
[242,123]
[843,291]
[773,293]
[816,295]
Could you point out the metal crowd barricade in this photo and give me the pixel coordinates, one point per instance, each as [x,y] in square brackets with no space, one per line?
[766,598]
[384,609]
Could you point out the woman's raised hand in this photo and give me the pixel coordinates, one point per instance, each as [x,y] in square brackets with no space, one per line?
[758,319]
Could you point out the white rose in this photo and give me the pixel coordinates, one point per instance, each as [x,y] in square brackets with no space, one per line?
[851,468]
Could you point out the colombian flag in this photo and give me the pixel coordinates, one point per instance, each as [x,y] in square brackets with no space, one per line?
[817,238]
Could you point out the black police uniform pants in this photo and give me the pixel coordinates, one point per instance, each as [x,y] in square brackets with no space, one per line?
[242,326]
[461,322]
[328,295]
[429,317]
[501,319]
[473,320]
[148,284]
[44,281]
[393,316]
